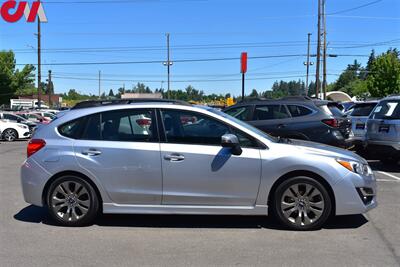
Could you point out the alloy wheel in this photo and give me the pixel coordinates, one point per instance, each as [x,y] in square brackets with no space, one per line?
[302,204]
[10,135]
[70,201]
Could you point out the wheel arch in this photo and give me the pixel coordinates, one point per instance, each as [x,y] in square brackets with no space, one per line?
[72,173]
[309,174]
[6,129]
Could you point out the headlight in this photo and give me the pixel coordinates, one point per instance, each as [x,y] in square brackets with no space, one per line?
[22,126]
[357,167]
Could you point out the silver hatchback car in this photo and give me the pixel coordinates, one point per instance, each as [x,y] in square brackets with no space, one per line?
[168,157]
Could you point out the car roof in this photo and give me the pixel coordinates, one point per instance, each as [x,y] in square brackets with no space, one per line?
[392,97]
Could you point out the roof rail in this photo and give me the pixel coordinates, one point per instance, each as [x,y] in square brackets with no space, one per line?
[99,103]
[297,98]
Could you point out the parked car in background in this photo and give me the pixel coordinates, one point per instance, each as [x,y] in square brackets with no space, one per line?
[34,117]
[211,163]
[11,131]
[297,118]
[48,115]
[358,115]
[383,130]
[5,116]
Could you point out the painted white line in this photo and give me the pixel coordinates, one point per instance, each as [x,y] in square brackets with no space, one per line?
[387,180]
[390,175]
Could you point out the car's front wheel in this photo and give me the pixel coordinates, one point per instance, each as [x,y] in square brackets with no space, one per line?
[10,135]
[302,203]
[72,201]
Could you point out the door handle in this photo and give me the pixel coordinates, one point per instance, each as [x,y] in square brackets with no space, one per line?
[91,152]
[174,157]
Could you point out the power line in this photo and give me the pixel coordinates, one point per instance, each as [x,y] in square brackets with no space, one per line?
[176,61]
[354,8]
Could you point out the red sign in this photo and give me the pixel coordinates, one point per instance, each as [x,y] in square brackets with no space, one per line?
[10,12]
[243,61]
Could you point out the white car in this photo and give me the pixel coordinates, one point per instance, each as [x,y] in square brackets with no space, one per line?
[11,131]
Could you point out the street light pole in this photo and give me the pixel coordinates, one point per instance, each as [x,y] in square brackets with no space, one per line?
[39,67]
[324,52]
[317,80]
[168,64]
[308,62]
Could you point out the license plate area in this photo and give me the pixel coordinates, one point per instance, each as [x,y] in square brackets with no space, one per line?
[384,128]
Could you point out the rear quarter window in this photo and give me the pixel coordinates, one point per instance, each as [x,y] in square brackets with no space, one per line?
[72,129]
[299,111]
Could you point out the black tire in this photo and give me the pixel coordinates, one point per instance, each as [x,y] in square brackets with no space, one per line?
[76,211]
[316,223]
[10,135]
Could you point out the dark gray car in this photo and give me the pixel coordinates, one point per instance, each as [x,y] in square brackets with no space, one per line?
[297,118]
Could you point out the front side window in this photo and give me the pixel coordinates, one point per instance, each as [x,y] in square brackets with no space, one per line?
[186,127]
[10,117]
[241,113]
[299,111]
[270,112]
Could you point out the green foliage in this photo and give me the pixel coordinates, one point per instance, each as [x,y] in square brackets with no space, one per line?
[351,74]
[283,88]
[12,79]
[384,76]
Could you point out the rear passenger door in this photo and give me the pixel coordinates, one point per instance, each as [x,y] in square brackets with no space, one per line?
[271,118]
[121,149]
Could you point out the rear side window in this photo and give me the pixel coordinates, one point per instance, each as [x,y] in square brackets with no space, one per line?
[362,110]
[270,112]
[241,113]
[299,111]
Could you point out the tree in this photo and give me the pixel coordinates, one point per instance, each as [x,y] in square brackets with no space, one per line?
[254,93]
[12,79]
[351,74]
[384,76]
[111,93]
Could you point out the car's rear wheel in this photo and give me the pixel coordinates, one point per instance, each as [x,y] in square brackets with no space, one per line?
[302,203]
[10,135]
[72,201]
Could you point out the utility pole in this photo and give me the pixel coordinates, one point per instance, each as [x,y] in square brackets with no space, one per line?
[99,84]
[308,62]
[168,64]
[317,80]
[324,52]
[49,87]
[39,67]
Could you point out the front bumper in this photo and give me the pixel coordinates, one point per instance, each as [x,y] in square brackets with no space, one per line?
[349,200]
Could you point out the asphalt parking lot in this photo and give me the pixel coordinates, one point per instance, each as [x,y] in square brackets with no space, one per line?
[27,237]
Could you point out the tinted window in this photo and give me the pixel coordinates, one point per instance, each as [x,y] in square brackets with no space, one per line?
[185,127]
[72,129]
[92,128]
[10,117]
[270,112]
[241,113]
[362,110]
[128,125]
[389,109]
[299,111]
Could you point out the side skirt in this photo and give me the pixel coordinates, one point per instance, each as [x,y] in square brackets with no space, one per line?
[184,209]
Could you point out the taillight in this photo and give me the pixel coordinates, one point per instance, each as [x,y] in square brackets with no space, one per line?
[143,122]
[331,122]
[34,146]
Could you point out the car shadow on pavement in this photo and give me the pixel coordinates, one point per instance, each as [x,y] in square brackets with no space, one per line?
[378,166]
[33,214]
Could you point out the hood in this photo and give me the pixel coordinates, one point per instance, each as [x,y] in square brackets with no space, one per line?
[326,150]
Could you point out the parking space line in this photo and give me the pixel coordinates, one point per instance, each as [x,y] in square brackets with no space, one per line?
[387,180]
[390,175]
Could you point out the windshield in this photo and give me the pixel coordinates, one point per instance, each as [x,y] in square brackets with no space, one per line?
[388,109]
[241,123]
[362,110]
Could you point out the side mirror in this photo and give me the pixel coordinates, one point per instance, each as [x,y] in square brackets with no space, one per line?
[19,120]
[231,141]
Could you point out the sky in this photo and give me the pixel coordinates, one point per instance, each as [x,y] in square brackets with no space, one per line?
[272,31]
